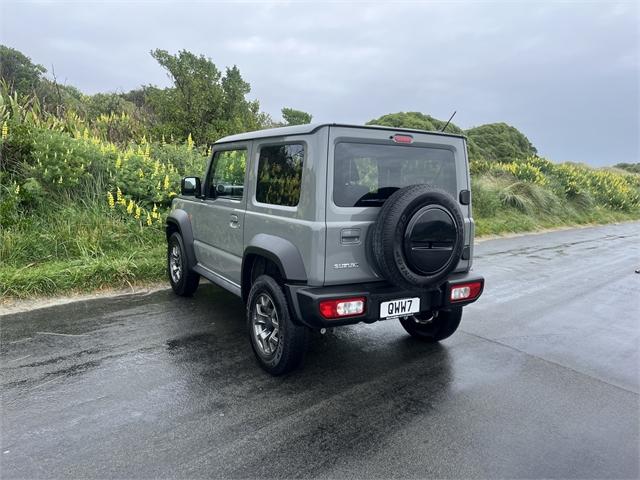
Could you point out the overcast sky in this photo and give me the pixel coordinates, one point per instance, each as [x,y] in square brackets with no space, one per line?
[565,73]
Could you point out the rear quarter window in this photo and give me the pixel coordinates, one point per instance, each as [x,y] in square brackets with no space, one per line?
[280,174]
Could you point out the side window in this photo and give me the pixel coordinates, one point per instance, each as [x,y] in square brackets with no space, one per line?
[279,174]
[227,176]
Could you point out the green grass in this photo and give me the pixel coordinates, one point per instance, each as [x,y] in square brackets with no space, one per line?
[78,248]
[86,248]
[517,222]
[502,205]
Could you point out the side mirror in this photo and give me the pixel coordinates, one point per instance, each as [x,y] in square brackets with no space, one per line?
[190,186]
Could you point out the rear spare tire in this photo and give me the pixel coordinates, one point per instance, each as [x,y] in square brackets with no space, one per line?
[418,237]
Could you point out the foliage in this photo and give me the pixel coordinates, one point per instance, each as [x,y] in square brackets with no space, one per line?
[295,117]
[86,181]
[414,120]
[42,160]
[19,71]
[491,142]
[77,245]
[629,167]
[500,142]
[203,102]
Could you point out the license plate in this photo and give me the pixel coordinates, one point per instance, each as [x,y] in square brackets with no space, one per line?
[399,308]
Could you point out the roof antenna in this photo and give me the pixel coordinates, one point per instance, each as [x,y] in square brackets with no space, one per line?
[449,121]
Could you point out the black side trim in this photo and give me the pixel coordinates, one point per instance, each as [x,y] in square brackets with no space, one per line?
[180,219]
[465,197]
[218,280]
[280,251]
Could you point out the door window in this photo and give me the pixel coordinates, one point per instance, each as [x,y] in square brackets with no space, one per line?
[227,175]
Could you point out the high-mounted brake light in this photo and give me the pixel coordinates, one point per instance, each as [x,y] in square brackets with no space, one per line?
[465,291]
[342,307]
[402,138]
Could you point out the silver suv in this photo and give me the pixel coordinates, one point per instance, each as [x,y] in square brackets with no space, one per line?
[317,226]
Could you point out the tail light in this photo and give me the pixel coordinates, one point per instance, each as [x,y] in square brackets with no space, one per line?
[342,307]
[465,291]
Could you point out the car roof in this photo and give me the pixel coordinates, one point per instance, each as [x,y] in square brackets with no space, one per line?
[312,127]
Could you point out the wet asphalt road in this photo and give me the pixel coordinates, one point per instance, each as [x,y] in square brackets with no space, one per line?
[542,380]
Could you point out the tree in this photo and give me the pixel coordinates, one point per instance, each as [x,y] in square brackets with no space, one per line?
[295,117]
[20,73]
[494,141]
[414,120]
[203,102]
[500,142]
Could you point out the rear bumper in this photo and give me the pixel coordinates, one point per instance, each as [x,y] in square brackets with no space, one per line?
[305,300]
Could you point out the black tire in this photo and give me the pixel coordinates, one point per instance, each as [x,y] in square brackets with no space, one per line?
[394,254]
[443,324]
[292,339]
[184,281]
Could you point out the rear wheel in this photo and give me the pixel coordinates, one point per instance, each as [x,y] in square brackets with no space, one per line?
[183,280]
[278,343]
[433,326]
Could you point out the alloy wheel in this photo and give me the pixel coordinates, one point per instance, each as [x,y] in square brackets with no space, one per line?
[175,264]
[266,326]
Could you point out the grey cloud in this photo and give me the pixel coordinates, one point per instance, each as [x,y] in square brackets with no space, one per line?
[564,73]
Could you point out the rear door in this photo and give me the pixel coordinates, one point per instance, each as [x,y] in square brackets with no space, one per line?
[219,225]
[365,166]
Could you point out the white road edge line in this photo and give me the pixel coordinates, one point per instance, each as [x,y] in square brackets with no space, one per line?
[62,334]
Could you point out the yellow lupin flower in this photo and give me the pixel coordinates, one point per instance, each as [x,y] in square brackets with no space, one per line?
[165,185]
[17,189]
[138,211]
[110,200]
[130,207]
[85,134]
[60,179]
[118,194]
[5,130]
[172,194]
[189,142]
[163,140]
[149,221]
[118,162]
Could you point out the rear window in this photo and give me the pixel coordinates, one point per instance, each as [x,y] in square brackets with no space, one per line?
[367,174]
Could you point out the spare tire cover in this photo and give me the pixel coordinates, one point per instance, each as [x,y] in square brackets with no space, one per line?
[418,237]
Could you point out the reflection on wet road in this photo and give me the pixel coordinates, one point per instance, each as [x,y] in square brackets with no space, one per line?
[541,381]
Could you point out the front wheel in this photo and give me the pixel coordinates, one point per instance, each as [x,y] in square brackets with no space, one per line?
[184,282]
[433,326]
[278,343]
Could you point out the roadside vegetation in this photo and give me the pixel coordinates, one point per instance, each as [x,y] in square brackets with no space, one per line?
[86,181]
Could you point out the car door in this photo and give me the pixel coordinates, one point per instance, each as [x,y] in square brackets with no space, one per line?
[219,227]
